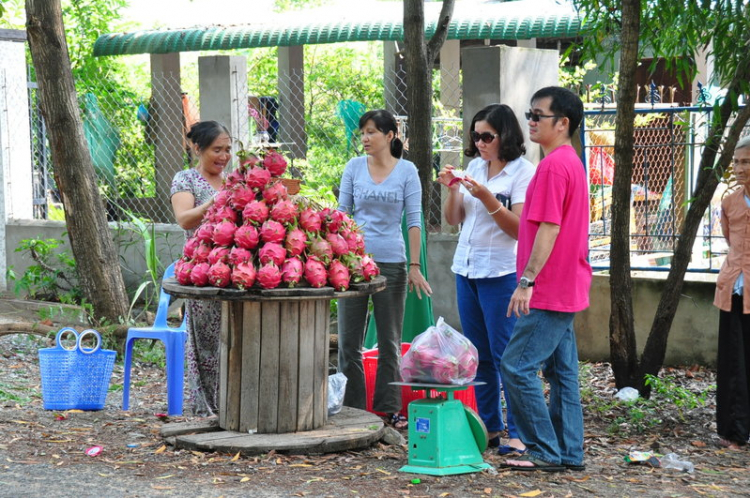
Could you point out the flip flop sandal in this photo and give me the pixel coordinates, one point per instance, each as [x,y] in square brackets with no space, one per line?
[510,450]
[575,468]
[537,465]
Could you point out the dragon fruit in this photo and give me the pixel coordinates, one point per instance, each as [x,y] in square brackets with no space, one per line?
[338,275]
[201,252]
[224,233]
[219,274]
[217,254]
[275,163]
[233,178]
[257,177]
[335,220]
[338,244]
[182,271]
[284,211]
[269,276]
[243,275]
[221,198]
[275,192]
[249,161]
[315,273]
[320,248]
[370,270]
[354,240]
[291,271]
[310,220]
[272,251]
[354,263]
[199,274]
[218,214]
[295,242]
[188,250]
[255,211]
[239,254]
[272,231]
[205,232]
[241,195]
[247,236]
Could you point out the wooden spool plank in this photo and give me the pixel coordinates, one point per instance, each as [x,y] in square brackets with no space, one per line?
[268,387]
[223,363]
[350,429]
[234,369]
[250,377]
[306,364]
[289,353]
[320,367]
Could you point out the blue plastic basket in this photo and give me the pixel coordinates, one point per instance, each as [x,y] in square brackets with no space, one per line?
[78,377]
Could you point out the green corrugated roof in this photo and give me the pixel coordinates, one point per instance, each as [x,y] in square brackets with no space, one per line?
[490,22]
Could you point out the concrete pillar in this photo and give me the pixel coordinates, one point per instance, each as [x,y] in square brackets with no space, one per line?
[222,80]
[292,101]
[451,136]
[166,128]
[506,75]
[16,170]
[704,71]
[530,43]
[394,79]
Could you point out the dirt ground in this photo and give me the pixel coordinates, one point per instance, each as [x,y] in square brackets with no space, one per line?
[42,453]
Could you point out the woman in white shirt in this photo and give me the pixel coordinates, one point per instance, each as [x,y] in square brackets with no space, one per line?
[487,202]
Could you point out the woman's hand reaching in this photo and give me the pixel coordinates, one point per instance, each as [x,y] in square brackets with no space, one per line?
[417,282]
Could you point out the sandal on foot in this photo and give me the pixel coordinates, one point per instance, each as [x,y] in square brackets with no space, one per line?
[510,450]
[575,468]
[536,464]
[398,422]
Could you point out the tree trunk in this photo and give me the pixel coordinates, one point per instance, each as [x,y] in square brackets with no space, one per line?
[708,179]
[622,344]
[97,262]
[420,57]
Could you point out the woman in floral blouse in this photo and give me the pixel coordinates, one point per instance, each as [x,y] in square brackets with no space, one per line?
[192,194]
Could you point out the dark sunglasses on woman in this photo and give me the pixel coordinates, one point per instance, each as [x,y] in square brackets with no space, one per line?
[485,137]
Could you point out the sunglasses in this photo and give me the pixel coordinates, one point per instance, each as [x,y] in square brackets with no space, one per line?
[536,117]
[485,137]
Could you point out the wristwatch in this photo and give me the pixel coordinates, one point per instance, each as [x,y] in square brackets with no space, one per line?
[525,283]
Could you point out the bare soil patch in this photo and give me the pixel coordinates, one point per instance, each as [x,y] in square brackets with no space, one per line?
[43,452]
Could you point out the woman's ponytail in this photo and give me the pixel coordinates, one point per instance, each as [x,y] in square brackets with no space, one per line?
[397,147]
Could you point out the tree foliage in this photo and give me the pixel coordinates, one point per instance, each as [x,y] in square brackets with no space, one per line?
[719,28]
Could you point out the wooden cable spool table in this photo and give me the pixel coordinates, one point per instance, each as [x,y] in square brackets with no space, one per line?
[273,354]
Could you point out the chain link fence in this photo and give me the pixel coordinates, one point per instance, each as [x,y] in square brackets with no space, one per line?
[137,141]
[668,143]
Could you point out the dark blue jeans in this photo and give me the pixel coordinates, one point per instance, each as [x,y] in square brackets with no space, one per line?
[545,340]
[482,304]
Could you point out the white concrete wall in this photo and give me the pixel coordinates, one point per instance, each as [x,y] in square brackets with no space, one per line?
[16,193]
[506,75]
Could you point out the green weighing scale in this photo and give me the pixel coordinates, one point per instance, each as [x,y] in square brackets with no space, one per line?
[445,437]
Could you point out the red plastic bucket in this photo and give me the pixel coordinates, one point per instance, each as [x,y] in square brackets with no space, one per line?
[370,364]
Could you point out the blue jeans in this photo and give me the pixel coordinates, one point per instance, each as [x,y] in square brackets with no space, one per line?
[545,339]
[482,304]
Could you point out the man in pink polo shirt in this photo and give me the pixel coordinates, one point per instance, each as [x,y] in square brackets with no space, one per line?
[554,284]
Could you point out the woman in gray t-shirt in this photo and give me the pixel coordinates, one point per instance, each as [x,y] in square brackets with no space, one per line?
[377,190]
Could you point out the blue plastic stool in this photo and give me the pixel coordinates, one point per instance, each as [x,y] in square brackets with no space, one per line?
[174,346]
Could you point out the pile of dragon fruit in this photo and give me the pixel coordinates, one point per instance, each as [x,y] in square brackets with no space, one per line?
[255,233]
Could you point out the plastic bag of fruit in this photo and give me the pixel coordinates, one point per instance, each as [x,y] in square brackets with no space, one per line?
[440,355]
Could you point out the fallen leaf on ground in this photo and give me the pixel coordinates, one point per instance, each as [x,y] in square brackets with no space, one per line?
[161,449]
[531,494]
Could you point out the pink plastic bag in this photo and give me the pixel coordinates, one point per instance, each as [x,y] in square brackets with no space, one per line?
[440,355]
